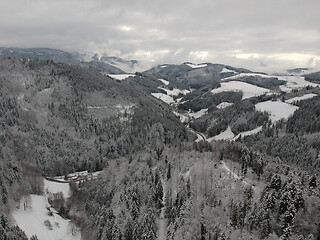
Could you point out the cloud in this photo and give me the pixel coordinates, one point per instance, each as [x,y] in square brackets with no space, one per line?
[250,33]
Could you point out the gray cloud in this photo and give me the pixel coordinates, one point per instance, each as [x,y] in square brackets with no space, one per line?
[261,35]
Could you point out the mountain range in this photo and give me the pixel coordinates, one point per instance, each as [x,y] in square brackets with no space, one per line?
[177,151]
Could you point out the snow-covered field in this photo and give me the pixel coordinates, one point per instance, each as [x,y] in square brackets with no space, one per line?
[248,133]
[277,109]
[175,91]
[32,219]
[229,135]
[165,82]
[224,105]
[225,70]
[54,187]
[226,135]
[199,113]
[240,75]
[196,65]
[294,82]
[120,76]
[163,97]
[248,90]
[168,98]
[306,96]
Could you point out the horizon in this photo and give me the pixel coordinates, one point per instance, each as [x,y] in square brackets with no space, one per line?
[261,36]
[150,64]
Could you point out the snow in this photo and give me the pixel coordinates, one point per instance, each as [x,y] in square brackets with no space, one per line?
[175,91]
[197,65]
[248,90]
[226,168]
[120,76]
[179,100]
[182,117]
[231,173]
[55,187]
[277,109]
[32,219]
[226,135]
[163,222]
[247,133]
[199,113]
[240,75]
[225,70]
[294,82]
[163,66]
[165,82]
[306,96]
[163,97]
[224,105]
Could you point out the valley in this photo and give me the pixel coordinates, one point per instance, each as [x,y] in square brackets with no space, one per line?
[178,151]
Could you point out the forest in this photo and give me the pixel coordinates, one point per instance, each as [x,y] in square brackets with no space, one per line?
[156,182]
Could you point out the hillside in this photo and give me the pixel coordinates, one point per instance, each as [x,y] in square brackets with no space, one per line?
[246,176]
[58,56]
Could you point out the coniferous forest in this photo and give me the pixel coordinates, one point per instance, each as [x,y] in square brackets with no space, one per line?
[155,179]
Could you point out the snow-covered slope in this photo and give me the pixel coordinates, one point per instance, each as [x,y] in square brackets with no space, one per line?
[248,133]
[224,105]
[196,65]
[225,70]
[175,91]
[32,216]
[306,96]
[248,90]
[277,109]
[120,76]
[240,75]
[163,97]
[294,82]
[165,82]
[226,135]
[199,113]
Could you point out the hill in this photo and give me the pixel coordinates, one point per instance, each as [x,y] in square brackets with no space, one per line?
[248,176]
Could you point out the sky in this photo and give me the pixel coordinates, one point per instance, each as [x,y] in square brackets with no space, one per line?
[269,35]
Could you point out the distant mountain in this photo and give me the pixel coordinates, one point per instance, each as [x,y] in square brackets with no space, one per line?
[195,76]
[59,56]
[298,70]
[129,66]
[313,77]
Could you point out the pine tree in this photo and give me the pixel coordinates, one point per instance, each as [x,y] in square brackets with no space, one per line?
[169,172]
[148,225]
[128,230]
[313,182]
[265,224]
[234,215]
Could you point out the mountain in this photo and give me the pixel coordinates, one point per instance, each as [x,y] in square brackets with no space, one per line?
[234,155]
[313,77]
[128,66]
[298,70]
[58,56]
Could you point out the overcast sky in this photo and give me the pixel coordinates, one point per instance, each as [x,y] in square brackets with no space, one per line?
[259,35]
